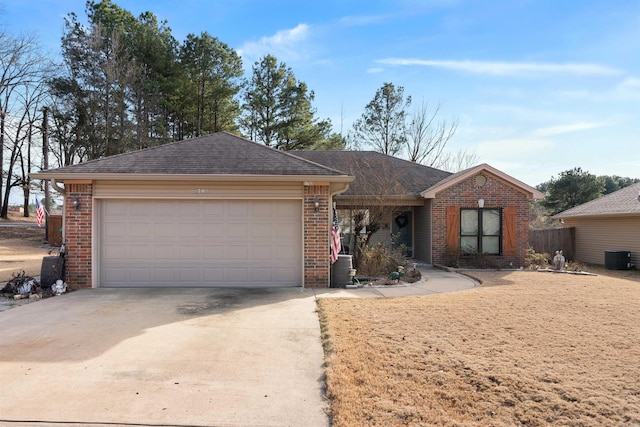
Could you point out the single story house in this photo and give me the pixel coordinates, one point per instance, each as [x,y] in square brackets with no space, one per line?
[221,210]
[609,223]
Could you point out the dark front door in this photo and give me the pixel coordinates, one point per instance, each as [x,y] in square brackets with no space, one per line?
[402,230]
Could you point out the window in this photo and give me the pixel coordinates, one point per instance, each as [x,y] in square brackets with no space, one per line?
[480,231]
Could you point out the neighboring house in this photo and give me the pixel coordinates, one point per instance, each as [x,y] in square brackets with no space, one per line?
[221,210]
[611,222]
[436,213]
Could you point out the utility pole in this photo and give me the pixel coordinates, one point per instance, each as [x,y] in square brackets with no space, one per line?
[45,157]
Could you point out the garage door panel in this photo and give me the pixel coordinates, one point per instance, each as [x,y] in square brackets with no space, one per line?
[164,274]
[213,230]
[163,229]
[284,252]
[140,274]
[237,252]
[189,252]
[236,229]
[238,208]
[261,252]
[262,208]
[213,252]
[200,243]
[190,229]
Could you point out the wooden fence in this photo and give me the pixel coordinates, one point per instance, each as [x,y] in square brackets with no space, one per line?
[550,241]
[54,230]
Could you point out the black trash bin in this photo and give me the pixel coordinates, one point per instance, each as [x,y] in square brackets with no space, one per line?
[52,270]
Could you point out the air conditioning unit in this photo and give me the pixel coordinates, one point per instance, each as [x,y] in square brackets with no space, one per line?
[617,260]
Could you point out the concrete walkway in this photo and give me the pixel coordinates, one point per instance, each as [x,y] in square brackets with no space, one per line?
[434,281]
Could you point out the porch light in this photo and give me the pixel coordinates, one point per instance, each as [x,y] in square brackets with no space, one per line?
[316,204]
[481,203]
[76,203]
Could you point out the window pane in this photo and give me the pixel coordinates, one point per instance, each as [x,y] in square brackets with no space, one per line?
[469,222]
[468,245]
[491,245]
[491,222]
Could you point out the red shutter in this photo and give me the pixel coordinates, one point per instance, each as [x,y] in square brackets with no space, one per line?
[509,229]
[453,227]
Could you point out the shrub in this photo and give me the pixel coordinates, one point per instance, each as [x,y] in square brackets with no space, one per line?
[375,261]
[535,261]
[451,257]
[481,260]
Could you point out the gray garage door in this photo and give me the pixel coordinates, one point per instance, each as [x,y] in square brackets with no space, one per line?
[200,243]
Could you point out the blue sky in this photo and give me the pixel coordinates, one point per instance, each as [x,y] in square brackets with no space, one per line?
[538,87]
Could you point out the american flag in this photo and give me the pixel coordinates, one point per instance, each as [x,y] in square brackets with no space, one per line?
[39,213]
[336,246]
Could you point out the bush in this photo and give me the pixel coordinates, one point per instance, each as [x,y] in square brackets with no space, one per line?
[375,261]
[451,257]
[536,261]
[481,260]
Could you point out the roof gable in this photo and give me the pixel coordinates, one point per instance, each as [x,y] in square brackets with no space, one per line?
[217,154]
[377,174]
[622,202]
[455,178]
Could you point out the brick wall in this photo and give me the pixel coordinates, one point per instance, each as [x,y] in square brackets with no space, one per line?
[496,194]
[78,235]
[316,236]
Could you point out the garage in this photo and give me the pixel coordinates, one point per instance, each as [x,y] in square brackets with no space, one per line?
[216,210]
[149,243]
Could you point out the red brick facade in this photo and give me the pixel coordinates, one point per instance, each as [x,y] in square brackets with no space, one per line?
[316,236]
[78,234]
[496,193]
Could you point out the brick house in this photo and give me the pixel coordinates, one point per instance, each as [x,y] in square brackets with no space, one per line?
[433,212]
[221,210]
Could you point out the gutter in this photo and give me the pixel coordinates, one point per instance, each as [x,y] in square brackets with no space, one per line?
[188,177]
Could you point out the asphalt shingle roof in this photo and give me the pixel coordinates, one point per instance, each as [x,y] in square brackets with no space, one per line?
[621,202]
[217,154]
[376,173]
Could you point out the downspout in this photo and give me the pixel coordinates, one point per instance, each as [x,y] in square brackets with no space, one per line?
[57,187]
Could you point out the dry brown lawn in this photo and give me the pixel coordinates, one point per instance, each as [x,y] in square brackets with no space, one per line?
[21,250]
[526,348]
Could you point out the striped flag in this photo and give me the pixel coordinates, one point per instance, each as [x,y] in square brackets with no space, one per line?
[39,212]
[336,246]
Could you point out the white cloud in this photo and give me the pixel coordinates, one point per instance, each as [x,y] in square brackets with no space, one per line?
[574,127]
[284,45]
[500,68]
[375,70]
[629,88]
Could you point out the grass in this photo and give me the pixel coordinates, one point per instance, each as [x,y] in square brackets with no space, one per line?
[527,348]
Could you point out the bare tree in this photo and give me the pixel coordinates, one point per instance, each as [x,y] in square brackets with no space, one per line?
[22,70]
[371,203]
[427,136]
[457,161]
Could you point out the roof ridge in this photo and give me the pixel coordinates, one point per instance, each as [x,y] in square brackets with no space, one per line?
[283,152]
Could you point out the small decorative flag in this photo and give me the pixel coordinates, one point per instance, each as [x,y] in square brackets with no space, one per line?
[39,212]
[336,245]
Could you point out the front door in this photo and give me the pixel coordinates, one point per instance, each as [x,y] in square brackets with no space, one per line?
[402,230]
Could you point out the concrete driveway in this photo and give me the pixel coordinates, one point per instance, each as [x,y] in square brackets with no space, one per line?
[197,357]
